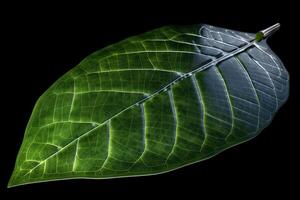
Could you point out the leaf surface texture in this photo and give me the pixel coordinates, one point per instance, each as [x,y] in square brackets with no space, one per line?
[153,103]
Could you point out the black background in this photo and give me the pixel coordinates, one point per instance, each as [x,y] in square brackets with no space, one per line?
[42,42]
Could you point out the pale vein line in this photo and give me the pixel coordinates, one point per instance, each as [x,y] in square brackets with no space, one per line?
[57,146]
[209,32]
[249,36]
[271,80]
[278,69]
[53,117]
[254,89]
[183,42]
[270,56]
[206,38]
[70,121]
[144,129]
[200,45]
[243,111]
[75,156]
[229,101]
[201,102]
[274,97]
[99,91]
[200,30]
[144,69]
[236,97]
[220,37]
[144,136]
[45,166]
[152,64]
[73,99]
[218,119]
[32,160]
[109,141]
[237,37]
[262,84]
[246,122]
[174,113]
[148,51]
[200,52]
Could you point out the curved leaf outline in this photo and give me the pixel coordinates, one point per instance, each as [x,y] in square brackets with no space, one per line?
[153,103]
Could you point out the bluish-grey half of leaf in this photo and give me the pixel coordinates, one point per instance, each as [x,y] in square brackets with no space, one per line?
[153,103]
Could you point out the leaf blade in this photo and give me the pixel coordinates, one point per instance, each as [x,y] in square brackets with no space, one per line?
[103,91]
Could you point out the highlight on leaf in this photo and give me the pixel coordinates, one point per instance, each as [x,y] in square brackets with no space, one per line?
[153,103]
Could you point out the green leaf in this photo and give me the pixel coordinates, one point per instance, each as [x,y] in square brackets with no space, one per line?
[153,103]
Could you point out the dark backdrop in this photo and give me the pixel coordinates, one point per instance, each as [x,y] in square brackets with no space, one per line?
[42,42]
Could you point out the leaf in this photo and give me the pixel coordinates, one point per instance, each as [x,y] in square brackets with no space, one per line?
[153,103]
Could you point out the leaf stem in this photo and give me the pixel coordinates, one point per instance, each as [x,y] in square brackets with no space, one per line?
[267,32]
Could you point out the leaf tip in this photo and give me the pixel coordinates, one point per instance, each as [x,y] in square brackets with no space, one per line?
[14,180]
[10,184]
